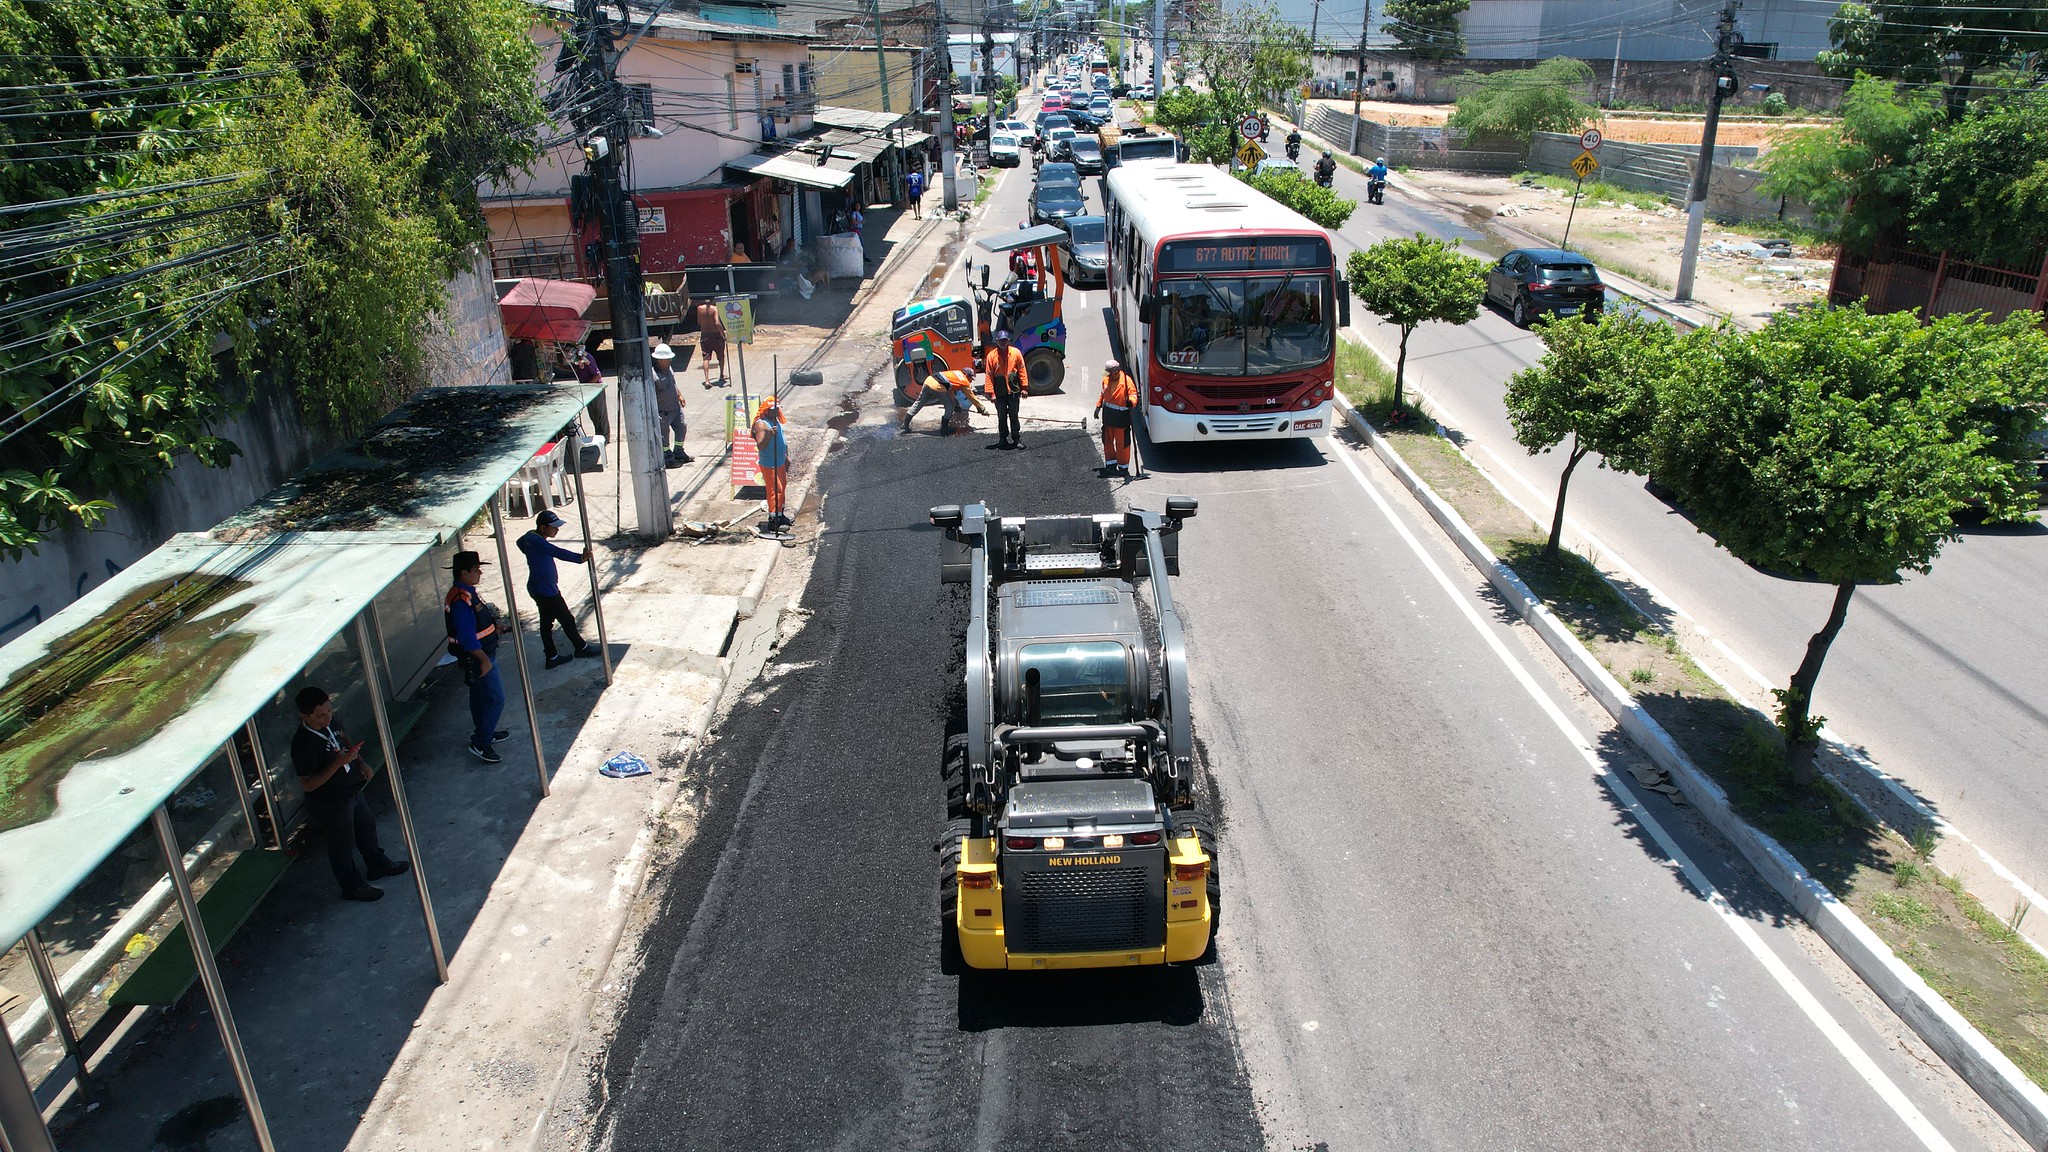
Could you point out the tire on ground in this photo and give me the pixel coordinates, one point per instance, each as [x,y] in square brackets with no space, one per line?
[806,377]
[903,396]
[950,836]
[1045,371]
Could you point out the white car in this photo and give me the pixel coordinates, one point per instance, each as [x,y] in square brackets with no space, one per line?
[1023,130]
[1142,92]
[1054,136]
[1003,151]
[1272,164]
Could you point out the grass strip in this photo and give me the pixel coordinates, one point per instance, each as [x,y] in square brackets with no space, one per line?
[1967,953]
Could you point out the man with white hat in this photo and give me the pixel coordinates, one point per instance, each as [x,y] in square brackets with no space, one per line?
[668,400]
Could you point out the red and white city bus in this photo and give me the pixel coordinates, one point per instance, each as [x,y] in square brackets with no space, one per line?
[1226,302]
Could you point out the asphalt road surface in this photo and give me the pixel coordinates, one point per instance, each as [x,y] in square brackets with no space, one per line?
[1940,677]
[1450,923]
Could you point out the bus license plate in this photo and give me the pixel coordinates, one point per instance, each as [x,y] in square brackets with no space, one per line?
[1307,425]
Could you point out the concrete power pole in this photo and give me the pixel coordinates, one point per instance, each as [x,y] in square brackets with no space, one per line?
[1358,86]
[881,55]
[1703,171]
[606,131]
[1158,48]
[948,180]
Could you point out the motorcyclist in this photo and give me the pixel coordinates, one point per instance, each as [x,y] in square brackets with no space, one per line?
[1326,169]
[1376,181]
[1294,145]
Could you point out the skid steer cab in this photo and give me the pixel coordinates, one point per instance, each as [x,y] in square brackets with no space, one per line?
[1072,837]
[956,330]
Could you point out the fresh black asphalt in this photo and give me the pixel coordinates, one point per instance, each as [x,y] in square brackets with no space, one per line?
[791,995]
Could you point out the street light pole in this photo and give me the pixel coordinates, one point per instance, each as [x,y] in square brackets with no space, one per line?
[947,180]
[1703,171]
[1358,85]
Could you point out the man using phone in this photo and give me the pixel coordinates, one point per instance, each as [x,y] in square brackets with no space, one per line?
[331,771]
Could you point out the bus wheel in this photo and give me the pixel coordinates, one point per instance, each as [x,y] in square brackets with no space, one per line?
[1046,370]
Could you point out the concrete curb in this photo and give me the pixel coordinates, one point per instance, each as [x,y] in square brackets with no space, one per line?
[1987,1070]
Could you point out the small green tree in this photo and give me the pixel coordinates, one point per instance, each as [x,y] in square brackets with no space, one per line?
[1305,196]
[1427,29]
[1597,384]
[1839,446]
[1935,41]
[1526,101]
[1249,53]
[1408,282]
[1860,158]
[1979,186]
[1192,116]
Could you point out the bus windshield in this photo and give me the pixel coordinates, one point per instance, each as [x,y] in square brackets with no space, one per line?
[1078,682]
[1244,325]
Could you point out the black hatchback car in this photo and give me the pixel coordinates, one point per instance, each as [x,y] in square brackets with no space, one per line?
[1531,282]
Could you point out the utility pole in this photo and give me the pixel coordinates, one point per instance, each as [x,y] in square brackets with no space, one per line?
[881,56]
[1696,213]
[947,180]
[606,131]
[1158,48]
[1358,88]
[1614,74]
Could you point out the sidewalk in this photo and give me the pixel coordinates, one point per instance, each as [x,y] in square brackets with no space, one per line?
[353,1044]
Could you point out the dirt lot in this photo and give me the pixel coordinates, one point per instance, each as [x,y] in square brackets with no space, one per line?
[1643,243]
[1627,126]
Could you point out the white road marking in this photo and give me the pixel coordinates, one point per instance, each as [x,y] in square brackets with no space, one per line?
[1845,1044]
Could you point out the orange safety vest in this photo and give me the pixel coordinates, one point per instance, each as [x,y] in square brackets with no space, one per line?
[1001,367]
[957,379]
[1119,390]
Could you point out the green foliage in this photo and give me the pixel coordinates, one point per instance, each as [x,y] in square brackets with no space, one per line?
[1935,41]
[1839,446]
[1428,29]
[1305,196]
[1861,157]
[1775,104]
[1247,53]
[1980,185]
[1192,116]
[1526,101]
[1413,281]
[341,142]
[1597,384]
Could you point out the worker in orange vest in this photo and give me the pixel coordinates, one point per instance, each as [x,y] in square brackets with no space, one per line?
[1119,400]
[1004,366]
[952,390]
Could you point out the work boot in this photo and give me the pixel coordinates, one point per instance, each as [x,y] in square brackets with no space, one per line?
[365,893]
[389,868]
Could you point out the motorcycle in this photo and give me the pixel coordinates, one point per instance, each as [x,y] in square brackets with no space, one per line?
[1325,172]
[1294,146]
[1376,191]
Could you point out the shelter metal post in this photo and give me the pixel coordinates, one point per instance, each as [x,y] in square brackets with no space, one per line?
[209,974]
[53,999]
[540,760]
[269,783]
[375,683]
[21,1119]
[604,646]
[242,790]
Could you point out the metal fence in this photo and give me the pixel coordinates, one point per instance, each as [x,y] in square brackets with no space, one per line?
[1894,279]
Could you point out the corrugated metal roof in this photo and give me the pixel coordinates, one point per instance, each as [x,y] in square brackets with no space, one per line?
[856,119]
[795,169]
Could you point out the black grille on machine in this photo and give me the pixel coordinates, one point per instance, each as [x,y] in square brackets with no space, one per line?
[1099,909]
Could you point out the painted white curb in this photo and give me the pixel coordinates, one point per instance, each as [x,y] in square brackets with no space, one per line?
[1987,1070]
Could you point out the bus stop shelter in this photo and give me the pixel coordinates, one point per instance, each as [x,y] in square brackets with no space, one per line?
[111,706]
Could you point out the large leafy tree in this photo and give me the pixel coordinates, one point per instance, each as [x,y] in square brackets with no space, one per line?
[1596,386]
[1979,187]
[1862,158]
[1192,115]
[1525,101]
[1839,446]
[1936,41]
[1409,282]
[1428,29]
[1249,53]
[291,180]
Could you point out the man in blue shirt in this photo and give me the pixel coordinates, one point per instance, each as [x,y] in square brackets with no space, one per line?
[473,639]
[913,185]
[545,586]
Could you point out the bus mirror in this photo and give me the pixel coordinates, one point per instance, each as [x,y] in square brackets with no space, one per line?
[1145,310]
[1343,303]
[984,275]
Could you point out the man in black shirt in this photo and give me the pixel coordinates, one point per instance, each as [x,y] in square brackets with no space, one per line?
[331,771]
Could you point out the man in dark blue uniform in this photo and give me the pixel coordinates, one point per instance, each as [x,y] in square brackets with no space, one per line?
[331,771]
[473,639]
[544,584]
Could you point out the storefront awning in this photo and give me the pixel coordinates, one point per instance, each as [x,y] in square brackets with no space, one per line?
[859,119]
[548,310]
[797,169]
[1030,237]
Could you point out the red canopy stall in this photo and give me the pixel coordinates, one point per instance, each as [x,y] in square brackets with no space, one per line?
[548,311]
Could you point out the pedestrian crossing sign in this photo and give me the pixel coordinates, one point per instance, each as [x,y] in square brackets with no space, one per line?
[1249,153]
[1585,165]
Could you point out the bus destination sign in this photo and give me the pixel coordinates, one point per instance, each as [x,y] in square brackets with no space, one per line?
[1252,254]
